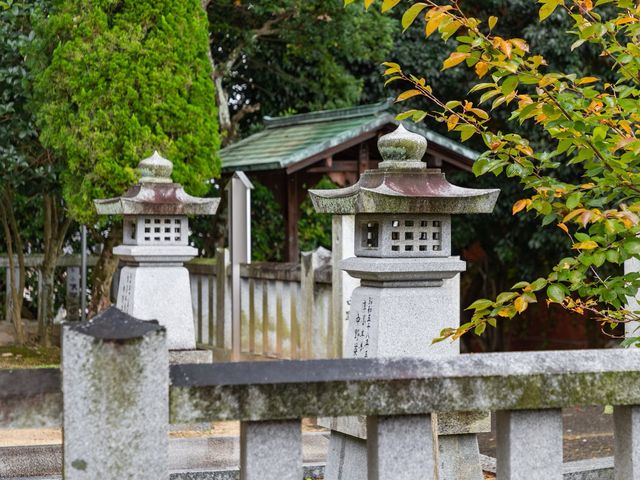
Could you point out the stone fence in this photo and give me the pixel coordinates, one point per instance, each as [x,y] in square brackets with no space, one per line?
[274,299]
[116,417]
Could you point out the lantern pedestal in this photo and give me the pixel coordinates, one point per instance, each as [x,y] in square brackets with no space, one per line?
[154,285]
[409,289]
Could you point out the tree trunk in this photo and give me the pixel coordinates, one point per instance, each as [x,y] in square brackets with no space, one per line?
[102,275]
[56,225]
[13,239]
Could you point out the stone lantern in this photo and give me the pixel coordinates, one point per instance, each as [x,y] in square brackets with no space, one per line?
[409,282]
[154,284]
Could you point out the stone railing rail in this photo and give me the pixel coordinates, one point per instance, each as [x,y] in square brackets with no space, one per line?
[526,390]
[274,298]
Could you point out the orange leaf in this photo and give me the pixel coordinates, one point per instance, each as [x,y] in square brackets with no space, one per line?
[482,68]
[520,205]
[563,227]
[452,121]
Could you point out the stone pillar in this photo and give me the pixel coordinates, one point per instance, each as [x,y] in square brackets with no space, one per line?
[116,399]
[626,423]
[632,329]
[529,445]
[409,286]
[72,302]
[258,443]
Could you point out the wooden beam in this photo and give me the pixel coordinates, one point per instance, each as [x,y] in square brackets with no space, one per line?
[337,166]
[293,212]
[363,157]
[331,151]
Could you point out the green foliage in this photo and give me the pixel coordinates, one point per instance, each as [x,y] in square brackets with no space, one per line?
[267,225]
[278,55]
[19,146]
[591,124]
[314,229]
[116,80]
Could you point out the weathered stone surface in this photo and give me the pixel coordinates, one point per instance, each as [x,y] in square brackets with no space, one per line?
[190,356]
[406,272]
[30,398]
[400,448]
[346,458]
[626,421]
[530,445]
[115,400]
[271,450]
[458,457]
[160,293]
[472,382]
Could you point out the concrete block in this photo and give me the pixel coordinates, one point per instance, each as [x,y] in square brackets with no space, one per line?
[346,458]
[529,444]
[271,450]
[400,448]
[116,399]
[626,425]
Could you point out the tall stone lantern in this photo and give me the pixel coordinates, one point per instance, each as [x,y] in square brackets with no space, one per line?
[409,281]
[154,284]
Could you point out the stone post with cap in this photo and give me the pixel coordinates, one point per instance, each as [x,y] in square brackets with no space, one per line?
[154,284]
[409,288]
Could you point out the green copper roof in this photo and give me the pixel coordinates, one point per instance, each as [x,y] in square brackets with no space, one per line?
[289,140]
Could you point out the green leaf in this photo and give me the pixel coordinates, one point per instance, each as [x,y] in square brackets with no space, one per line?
[410,15]
[466,132]
[555,293]
[480,304]
[388,5]
[509,85]
[632,246]
[548,8]
[573,200]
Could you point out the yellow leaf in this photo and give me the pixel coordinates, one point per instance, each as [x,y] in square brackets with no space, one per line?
[520,205]
[584,80]
[492,22]
[452,121]
[588,245]
[505,46]
[521,304]
[481,69]
[388,5]
[563,227]
[505,312]
[520,43]
[454,59]
[573,214]
[368,3]
[433,23]
[408,94]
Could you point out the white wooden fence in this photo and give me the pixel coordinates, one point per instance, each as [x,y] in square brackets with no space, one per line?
[275,298]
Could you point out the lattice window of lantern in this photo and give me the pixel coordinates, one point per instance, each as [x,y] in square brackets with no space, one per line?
[369,235]
[415,235]
[163,231]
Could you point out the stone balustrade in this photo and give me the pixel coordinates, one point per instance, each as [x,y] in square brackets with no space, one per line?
[526,390]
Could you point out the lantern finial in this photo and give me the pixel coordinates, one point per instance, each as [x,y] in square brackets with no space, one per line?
[402,149]
[155,169]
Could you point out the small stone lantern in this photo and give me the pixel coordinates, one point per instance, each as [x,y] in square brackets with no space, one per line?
[409,282]
[154,285]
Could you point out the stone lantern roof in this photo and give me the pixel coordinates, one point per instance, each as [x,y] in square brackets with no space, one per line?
[156,194]
[402,183]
